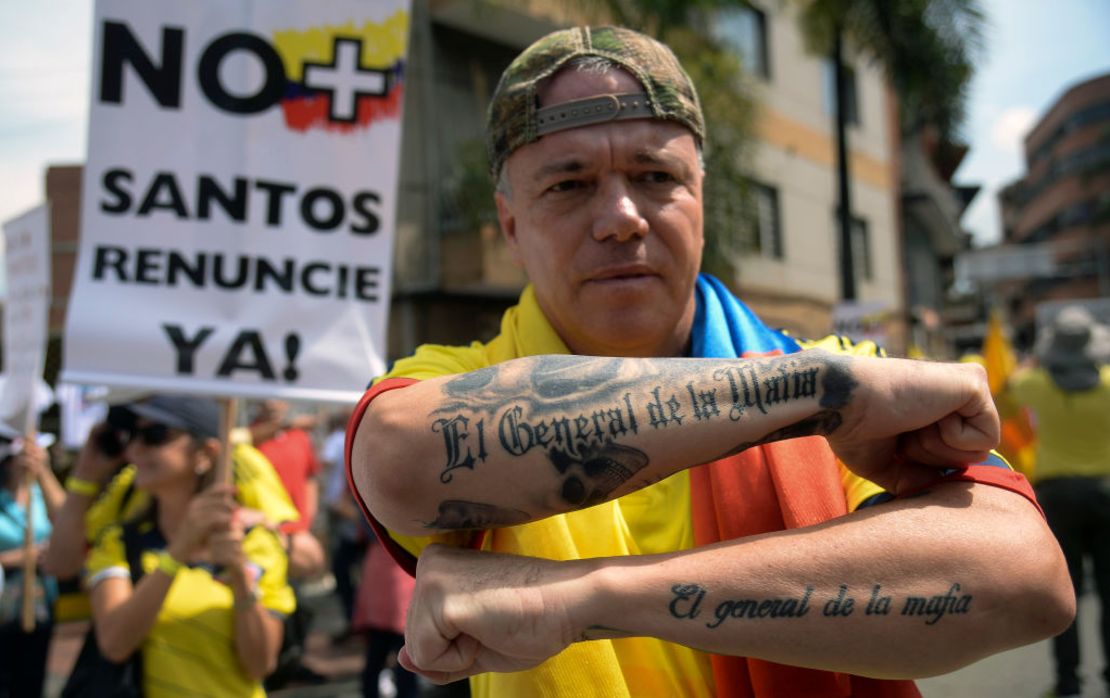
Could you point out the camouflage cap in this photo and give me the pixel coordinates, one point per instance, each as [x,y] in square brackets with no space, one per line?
[515,117]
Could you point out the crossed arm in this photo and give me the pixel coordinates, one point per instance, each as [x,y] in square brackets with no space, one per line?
[543,435]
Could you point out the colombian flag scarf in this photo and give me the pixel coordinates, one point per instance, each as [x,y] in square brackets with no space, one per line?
[782,485]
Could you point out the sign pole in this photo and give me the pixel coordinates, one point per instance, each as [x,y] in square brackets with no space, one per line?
[228,416]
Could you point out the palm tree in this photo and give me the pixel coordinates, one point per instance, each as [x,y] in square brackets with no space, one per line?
[928,50]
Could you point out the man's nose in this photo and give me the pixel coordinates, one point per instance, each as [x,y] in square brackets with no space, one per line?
[617,215]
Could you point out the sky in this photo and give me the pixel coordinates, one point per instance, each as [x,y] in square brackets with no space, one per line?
[1035,50]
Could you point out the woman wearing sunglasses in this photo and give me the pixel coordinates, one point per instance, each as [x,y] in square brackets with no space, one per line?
[205,612]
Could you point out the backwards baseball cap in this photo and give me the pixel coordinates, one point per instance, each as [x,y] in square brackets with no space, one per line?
[196,415]
[515,117]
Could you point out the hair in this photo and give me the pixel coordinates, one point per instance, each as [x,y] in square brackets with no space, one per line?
[7,472]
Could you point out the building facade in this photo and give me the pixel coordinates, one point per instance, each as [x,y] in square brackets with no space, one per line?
[1060,207]
[453,276]
[794,280]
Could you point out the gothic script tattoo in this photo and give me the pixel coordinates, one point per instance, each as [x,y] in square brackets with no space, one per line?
[581,411]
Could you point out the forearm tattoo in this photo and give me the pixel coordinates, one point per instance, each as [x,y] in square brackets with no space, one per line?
[693,602]
[582,413]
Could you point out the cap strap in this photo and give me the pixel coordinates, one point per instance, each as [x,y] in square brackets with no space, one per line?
[593,110]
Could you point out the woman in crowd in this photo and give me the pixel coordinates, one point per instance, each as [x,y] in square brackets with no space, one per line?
[205,612]
[25,476]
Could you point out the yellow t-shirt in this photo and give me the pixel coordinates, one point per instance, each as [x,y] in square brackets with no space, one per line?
[655,519]
[1073,428]
[257,482]
[191,648]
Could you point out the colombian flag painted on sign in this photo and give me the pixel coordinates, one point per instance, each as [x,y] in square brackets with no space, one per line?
[370,58]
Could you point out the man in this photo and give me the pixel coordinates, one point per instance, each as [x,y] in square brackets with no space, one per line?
[1069,394]
[609,564]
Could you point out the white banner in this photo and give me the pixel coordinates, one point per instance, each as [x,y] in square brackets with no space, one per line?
[863,321]
[26,315]
[239,197]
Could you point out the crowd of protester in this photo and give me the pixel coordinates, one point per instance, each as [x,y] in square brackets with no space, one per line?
[195,583]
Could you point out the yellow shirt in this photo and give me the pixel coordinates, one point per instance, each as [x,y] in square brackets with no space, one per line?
[191,648]
[655,519]
[255,479]
[1073,428]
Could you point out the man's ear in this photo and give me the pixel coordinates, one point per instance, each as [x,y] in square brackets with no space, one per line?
[507,221]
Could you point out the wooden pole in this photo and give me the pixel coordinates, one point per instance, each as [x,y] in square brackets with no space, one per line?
[30,559]
[228,417]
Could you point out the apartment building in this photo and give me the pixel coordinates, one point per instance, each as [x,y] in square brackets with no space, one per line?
[1060,208]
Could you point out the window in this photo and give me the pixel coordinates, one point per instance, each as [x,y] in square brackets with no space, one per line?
[764,232]
[851,98]
[744,31]
[861,249]
[861,246]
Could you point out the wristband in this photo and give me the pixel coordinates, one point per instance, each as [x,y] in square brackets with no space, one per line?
[78,486]
[168,565]
[249,602]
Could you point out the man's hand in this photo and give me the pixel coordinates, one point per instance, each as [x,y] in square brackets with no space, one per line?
[474,612]
[908,418]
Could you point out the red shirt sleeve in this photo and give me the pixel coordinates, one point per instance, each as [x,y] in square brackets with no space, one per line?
[994,472]
[404,558]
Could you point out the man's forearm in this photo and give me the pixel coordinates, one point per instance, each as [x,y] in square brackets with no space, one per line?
[898,592]
[543,435]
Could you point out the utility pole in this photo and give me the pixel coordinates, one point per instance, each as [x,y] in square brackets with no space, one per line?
[844,210]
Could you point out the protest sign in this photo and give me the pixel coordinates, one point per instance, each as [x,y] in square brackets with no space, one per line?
[239,197]
[26,315]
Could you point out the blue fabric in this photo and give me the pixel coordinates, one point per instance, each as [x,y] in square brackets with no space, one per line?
[12,518]
[12,525]
[725,328]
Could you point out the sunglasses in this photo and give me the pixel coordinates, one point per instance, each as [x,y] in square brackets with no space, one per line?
[155,434]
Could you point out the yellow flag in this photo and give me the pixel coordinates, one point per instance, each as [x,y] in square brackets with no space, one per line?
[998,355]
[1018,439]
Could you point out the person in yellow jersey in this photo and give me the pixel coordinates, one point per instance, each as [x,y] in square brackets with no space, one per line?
[205,611]
[101,491]
[634,489]
[1069,394]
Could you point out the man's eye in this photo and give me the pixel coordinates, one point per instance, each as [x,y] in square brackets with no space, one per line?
[658,177]
[565,185]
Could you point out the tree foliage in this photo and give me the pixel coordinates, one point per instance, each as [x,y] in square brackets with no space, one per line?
[927,48]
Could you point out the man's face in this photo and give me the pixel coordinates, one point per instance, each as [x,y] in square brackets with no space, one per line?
[607,222]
